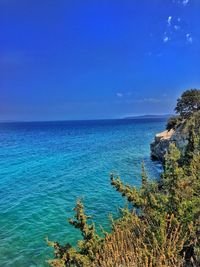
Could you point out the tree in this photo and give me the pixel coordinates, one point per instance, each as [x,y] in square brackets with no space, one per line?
[86,249]
[144,177]
[173,122]
[188,103]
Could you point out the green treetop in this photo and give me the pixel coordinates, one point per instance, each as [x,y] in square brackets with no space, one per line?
[188,103]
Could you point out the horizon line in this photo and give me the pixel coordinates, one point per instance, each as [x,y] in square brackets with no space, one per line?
[131,117]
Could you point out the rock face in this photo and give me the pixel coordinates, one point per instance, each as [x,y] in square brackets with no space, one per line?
[162,141]
[160,145]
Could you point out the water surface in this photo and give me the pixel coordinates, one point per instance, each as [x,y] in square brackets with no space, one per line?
[46,166]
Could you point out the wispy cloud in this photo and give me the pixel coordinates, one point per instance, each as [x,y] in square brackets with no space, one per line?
[119,94]
[165,39]
[148,100]
[151,100]
[177,27]
[181,2]
[185,2]
[189,38]
[125,94]
[169,20]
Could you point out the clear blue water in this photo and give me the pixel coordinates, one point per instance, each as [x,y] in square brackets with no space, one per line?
[45,167]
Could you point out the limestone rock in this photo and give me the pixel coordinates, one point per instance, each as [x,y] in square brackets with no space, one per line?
[162,141]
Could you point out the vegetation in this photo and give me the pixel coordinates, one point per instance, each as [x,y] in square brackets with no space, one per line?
[187,104]
[162,227]
[173,122]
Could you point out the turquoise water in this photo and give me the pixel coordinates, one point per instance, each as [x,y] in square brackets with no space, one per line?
[45,167]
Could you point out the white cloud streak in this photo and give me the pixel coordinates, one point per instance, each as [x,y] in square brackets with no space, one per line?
[185,2]
[169,20]
[119,95]
[176,27]
[165,39]
[189,38]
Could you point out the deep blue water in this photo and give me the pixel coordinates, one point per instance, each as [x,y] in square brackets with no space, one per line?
[46,166]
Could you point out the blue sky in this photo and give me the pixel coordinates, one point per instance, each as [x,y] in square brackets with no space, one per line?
[96,59]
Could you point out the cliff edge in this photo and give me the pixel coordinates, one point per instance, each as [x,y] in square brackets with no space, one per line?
[162,140]
[179,127]
[179,135]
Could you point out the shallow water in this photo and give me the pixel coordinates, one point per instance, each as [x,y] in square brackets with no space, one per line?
[46,166]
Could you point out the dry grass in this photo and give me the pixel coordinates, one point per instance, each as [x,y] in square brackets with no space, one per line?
[135,246]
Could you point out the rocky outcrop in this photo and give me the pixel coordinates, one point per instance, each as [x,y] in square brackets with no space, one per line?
[162,141]
[160,145]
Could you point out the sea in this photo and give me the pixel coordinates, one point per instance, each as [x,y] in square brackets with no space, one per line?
[46,166]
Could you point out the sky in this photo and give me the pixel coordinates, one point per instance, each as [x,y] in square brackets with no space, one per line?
[93,59]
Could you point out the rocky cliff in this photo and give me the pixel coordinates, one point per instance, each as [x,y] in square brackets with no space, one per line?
[160,145]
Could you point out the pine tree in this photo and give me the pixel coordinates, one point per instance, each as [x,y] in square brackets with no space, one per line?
[172,177]
[144,177]
[87,248]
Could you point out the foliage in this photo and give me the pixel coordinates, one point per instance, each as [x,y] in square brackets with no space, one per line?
[161,227]
[136,245]
[188,103]
[87,248]
[173,122]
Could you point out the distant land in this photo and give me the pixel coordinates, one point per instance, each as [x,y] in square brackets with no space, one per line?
[147,116]
[151,116]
